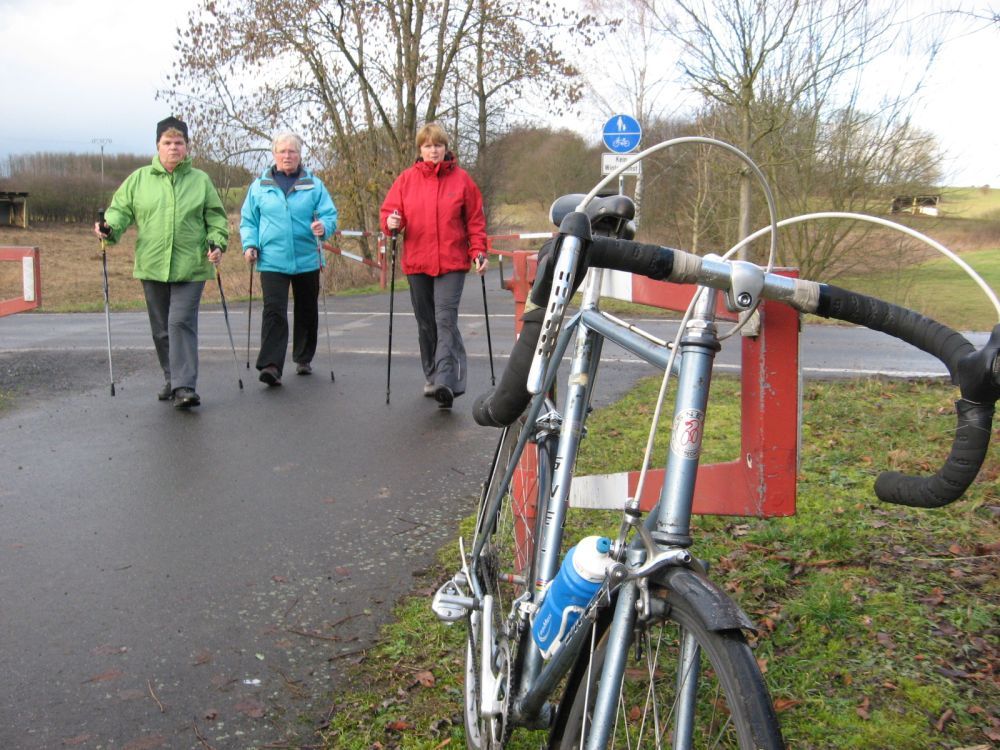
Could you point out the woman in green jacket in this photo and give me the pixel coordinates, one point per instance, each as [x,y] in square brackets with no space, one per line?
[182,231]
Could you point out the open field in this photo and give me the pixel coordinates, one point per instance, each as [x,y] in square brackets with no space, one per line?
[72,279]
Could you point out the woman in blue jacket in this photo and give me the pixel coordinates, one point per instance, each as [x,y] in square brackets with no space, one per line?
[286,211]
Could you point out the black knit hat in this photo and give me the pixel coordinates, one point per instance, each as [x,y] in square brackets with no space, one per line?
[171,123]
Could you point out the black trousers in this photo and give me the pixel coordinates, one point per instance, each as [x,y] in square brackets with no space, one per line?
[274,325]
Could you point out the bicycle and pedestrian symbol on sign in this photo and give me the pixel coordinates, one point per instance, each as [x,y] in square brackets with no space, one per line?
[621,135]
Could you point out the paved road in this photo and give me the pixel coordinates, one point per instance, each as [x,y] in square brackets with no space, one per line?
[169,578]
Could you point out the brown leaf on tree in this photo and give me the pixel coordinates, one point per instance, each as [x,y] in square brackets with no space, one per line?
[251,707]
[863,709]
[943,719]
[111,674]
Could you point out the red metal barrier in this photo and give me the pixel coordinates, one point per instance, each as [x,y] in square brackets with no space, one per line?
[31,276]
[762,480]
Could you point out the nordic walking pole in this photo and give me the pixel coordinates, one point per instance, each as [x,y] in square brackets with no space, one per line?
[225,314]
[322,291]
[486,314]
[107,299]
[249,315]
[392,297]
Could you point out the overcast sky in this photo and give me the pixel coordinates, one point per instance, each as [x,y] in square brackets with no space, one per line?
[74,72]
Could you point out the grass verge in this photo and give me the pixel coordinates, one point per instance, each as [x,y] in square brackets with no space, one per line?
[877,624]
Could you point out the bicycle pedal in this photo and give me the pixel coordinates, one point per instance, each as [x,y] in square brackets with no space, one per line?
[451,602]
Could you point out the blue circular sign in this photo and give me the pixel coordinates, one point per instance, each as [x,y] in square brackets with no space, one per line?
[622,134]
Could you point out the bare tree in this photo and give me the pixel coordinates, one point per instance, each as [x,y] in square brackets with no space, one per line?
[776,65]
[356,77]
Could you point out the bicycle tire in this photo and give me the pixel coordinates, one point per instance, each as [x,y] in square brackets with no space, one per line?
[734,709]
[505,566]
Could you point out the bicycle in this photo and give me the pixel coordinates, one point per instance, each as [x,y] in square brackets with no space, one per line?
[695,683]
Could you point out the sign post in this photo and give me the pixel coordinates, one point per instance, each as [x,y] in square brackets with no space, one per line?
[621,135]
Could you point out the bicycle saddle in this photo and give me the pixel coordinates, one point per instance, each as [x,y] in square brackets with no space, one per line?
[604,212]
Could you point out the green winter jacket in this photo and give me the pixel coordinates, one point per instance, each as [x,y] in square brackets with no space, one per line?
[177,215]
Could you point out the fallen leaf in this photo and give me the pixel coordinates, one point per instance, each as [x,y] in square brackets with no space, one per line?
[783,704]
[934,599]
[108,650]
[425,678]
[862,710]
[202,657]
[943,720]
[146,743]
[400,725]
[111,674]
[279,579]
[78,740]
[250,707]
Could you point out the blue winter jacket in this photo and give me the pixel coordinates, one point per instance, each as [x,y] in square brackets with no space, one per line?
[279,225]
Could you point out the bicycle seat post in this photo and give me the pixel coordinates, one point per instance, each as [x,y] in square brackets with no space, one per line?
[699,344]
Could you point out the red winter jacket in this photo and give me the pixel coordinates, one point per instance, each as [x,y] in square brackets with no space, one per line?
[442,212]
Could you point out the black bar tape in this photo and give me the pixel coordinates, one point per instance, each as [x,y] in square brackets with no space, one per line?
[975,417]
[928,335]
[975,422]
[505,403]
[652,261]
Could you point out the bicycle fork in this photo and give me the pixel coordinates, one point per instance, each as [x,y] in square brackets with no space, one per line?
[670,526]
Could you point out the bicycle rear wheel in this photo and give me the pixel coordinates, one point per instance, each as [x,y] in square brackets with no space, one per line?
[733,709]
[505,567]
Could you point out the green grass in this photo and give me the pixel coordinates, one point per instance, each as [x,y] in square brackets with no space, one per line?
[971,202]
[877,623]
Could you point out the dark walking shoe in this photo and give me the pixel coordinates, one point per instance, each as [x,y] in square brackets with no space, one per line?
[166,393]
[185,398]
[303,368]
[429,390]
[270,375]
[444,396]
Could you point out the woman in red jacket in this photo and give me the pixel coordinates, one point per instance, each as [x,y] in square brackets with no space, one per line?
[439,210]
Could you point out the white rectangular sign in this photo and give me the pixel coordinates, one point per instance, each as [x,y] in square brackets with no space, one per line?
[28,277]
[611,162]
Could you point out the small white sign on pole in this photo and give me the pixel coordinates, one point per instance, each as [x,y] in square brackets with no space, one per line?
[611,162]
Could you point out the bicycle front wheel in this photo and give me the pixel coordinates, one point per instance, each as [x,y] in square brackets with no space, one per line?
[728,703]
[505,567]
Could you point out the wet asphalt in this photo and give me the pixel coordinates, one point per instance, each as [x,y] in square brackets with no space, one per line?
[174,579]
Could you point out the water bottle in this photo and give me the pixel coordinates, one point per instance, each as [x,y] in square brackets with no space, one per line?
[579,578]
